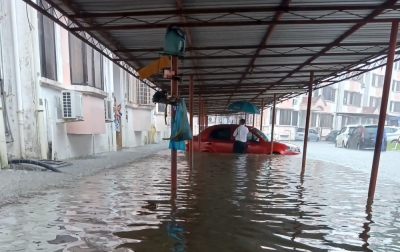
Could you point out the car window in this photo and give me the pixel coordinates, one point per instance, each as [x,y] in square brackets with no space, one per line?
[252,138]
[223,134]
[351,129]
[300,130]
[371,129]
[261,134]
[342,130]
[312,131]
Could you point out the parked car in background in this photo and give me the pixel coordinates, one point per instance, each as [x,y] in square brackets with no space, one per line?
[331,137]
[364,137]
[219,139]
[392,133]
[343,136]
[312,135]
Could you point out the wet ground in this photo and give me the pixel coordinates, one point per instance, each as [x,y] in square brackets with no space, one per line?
[223,203]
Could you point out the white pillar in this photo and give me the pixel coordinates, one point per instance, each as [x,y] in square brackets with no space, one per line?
[42,135]
[18,84]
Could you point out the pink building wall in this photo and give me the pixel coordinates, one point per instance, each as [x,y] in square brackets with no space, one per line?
[93,113]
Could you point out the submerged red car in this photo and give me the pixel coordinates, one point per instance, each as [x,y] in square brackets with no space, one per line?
[219,139]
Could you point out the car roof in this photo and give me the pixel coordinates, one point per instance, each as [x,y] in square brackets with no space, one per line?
[352,125]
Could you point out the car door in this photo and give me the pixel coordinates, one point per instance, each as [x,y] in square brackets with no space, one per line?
[253,144]
[312,134]
[220,140]
[354,138]
[340,137]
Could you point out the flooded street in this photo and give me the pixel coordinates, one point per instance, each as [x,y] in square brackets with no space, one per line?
[224,203]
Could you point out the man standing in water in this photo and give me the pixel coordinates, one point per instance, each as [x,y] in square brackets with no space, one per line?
[240,135]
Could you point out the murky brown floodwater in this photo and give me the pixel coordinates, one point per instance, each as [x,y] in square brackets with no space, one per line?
[224,203]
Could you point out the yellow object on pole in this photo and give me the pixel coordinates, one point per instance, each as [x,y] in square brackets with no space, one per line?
[154,67]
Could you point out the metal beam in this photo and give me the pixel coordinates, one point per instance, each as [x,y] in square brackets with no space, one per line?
[262,72]
[230,10]
[271,65]
[264,41]
[247,47]
[246,56]
[164,25]
[323,52]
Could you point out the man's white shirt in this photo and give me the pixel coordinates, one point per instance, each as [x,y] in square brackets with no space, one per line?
[240,133]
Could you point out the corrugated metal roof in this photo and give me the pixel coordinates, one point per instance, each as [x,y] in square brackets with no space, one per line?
[238,45]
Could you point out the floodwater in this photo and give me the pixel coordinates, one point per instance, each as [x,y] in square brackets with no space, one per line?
[224,203]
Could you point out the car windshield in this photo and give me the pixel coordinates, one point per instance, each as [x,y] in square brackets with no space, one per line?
[371,129]
[261,134]
[351,129]
[300,130]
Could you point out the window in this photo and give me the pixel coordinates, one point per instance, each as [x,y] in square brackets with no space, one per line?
[377,80]
[47,46]
[222,134]
[261,134]
[295,118]
[313,120]
[375,102]
[329,93]
[161,107]
[288,117]
[315,93]
[143,93]
[342,130]
[86,64]
[252,138]
[326,120]
[397,65]
[396,86]
[130,87]
[285,117]
[352,98]
[394,106]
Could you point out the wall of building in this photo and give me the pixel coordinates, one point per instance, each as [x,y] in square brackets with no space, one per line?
[62,139]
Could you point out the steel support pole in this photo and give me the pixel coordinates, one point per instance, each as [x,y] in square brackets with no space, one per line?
[273,125]
[174,92]
[308,115]
[254,117]
[383,109]
[199,122]
[262,114]
[191,109]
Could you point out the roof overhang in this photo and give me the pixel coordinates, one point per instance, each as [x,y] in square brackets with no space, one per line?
[237,52]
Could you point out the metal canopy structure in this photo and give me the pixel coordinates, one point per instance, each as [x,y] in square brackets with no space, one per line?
[236,50]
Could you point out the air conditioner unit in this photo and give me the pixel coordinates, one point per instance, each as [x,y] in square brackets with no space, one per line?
[108,109]
[72,105]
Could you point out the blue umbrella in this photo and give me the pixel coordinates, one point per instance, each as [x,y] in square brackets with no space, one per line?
[243,106]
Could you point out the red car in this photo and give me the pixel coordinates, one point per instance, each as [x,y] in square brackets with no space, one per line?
[219,139]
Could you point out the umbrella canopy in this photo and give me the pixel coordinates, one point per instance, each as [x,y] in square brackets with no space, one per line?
[243,106]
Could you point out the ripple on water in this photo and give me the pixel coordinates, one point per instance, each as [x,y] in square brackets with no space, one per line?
[224,203]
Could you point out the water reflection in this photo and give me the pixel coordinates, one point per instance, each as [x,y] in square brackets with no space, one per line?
[223,203]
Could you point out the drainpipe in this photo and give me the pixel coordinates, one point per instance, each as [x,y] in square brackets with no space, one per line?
[39,100]
[20,109]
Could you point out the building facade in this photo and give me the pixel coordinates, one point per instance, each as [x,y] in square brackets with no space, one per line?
[353,101]
[38,60]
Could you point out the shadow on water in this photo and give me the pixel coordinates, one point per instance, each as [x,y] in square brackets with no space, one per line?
[223,203]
